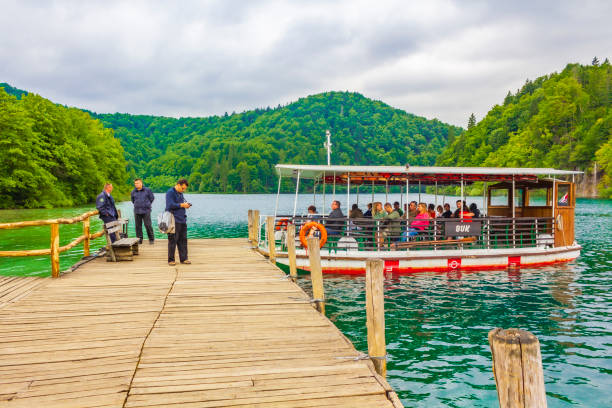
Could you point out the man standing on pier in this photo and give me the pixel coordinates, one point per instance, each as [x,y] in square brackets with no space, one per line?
[105,203]
[177,205]
[143,197]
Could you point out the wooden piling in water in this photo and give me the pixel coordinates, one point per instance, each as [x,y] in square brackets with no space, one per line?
[270,236]
[517,368]
[55,266]
[316,273]
[291,251]
[375,315]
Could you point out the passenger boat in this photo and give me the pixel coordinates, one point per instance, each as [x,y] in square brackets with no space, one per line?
[527,219]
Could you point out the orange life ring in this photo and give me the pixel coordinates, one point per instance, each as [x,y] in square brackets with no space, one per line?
[305,230]
[281,224]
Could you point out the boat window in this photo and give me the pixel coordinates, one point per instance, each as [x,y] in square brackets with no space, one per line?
[518,197]
[498,197]
[563,195]
[537,197]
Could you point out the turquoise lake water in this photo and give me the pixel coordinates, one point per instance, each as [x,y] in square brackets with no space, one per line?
[436,324]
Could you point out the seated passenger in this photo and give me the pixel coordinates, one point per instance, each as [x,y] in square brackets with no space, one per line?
[368,213]
[420,223]
[355,212]
[447,211]
[474,210]
[378,213]
[431,210]
[439,211]
[391,227]
[312,213]
[465,214]
[460,205]
[335,219]
[412,210]
[396,207]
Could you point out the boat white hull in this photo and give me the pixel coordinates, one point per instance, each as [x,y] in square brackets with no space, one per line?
[353,262]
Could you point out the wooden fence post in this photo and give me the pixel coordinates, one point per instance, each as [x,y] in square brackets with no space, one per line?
[517,368]
[86,233]
[250,225]
[316,273]
[271,241]
[375,315]
[256,227]
[55,266]
[291,251]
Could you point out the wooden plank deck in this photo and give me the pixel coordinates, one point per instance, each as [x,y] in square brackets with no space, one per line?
[225,331]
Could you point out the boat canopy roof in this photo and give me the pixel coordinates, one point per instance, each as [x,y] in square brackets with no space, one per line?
[399,175]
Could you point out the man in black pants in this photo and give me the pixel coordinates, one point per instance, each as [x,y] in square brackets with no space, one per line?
[143,197]
[176,204]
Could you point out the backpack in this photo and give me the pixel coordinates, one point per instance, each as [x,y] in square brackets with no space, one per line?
[165,222]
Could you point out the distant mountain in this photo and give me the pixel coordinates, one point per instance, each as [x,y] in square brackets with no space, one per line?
[237,152]
[562,120]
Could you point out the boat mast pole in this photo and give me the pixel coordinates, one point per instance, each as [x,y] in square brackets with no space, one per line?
[280,176]
[297,189]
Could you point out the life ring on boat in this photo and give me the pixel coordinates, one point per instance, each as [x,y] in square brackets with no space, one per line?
[559,222]
[281,224]
[308,228]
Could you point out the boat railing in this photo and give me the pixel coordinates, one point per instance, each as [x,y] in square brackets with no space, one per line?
[367,234]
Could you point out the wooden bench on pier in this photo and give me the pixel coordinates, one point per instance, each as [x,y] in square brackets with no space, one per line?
[123,248]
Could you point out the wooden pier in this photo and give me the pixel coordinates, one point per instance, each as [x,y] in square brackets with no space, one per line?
[229,330]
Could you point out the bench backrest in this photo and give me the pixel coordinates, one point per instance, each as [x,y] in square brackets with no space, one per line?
[114,226]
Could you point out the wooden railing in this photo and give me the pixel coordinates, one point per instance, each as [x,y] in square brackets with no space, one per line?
[54,250]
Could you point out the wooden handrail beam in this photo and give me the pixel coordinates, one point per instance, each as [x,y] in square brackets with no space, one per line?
[36,223]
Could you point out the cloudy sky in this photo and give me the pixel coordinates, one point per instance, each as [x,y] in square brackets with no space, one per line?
[438,59]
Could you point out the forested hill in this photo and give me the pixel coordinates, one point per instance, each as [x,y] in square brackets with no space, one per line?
[53,156]
[237,152]
[562,120]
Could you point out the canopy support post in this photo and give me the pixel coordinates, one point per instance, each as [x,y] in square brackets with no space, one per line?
[462,200]
[358,185]
[419,191]
[386,191]
[484,199]
[348,194]
[297,189]
[436,194]
[372,194]
[324,185]
[513,213]
[334,188]
[280,177]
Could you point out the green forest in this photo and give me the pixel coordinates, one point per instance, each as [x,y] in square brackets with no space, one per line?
[238,152]
[52,156]
[562,120]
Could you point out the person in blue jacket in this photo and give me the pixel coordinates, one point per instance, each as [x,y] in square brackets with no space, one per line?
[105,203]
[143,197]
[177,205]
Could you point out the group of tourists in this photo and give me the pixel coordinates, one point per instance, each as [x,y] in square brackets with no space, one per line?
[142,198]
[390,216]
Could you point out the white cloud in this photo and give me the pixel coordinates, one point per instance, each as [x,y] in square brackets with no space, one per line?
[443,59]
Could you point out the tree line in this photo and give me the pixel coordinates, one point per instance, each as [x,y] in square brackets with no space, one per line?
[562,120]
[53,156]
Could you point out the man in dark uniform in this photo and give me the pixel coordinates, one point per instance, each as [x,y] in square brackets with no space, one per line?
[176,204]
[143,197]
[105,203]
